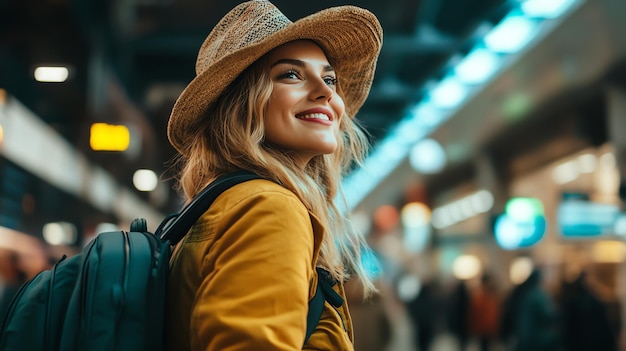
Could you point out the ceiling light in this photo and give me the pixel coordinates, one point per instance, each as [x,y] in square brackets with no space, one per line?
[477,66]
[102,189]
[441,218]
[510,35]
[145,180]
[51,74]
[520,269]
[448,93]
[466,267]
[427,115]
[524,208]
[415,215]
[392,150]
[565,172]
[607,161]
[427,156]
[482,201]
[409,131]
[587,163]
[508,233]
[60,233]
[545,8]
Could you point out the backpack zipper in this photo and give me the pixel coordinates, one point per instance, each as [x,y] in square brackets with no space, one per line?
[84,277]
[47,331]
[120,292]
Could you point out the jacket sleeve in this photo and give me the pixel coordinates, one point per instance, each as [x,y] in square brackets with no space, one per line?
[254,294]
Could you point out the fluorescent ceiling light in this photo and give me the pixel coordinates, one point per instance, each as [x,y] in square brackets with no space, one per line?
[477,66]
[510,35]
[409,131]
[565,172]
[145,180]
[448,93]
[392,149]
[545,8]
[427,115]
[60,233]
[428,157]
[51,74]
[466,267]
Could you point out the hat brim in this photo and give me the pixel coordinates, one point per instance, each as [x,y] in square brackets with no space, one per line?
[350,36]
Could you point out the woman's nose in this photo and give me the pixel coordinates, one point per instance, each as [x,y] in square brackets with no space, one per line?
[321,90]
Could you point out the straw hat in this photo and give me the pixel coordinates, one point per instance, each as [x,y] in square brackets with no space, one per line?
[350,36]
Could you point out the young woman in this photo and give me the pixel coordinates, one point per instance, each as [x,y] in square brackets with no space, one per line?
[276,98]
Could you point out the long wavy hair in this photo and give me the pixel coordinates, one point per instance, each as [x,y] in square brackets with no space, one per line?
[232,137]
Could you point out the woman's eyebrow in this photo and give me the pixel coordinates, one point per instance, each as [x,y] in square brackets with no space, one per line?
[299,63]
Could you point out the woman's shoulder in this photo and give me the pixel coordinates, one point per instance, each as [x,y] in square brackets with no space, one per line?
[259,192]
[250,200]
[258,187]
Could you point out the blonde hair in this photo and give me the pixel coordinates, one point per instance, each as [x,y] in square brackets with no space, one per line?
[231,137]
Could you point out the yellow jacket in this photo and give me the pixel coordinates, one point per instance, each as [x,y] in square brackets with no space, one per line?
[242,277]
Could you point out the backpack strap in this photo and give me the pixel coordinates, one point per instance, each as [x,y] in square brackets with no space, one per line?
[324,292]
[175,227]
[316,306]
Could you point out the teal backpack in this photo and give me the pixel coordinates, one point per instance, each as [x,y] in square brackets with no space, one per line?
[112,295]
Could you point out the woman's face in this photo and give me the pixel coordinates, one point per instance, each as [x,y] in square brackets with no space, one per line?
[303,112]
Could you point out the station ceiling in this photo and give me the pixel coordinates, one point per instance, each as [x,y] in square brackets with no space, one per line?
[129,60]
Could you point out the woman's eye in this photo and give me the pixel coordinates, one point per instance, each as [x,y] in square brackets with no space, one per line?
[290,74]
[330,80]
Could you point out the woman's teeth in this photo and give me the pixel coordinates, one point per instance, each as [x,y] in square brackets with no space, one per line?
[314,116]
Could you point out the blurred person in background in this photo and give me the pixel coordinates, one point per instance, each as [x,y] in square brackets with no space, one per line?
[585,322]
[484,312]
[509,312]
[535,320]
[457,309]
[372,329]
[423,311]
[12,276]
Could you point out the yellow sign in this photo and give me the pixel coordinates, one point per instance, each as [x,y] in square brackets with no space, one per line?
[109,137]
